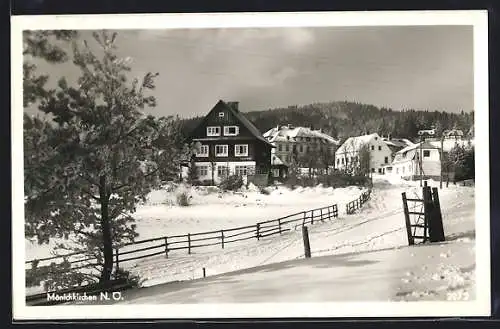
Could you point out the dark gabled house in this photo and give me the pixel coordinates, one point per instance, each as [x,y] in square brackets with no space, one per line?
[227,143]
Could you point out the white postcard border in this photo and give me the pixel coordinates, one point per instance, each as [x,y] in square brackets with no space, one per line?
[479,307]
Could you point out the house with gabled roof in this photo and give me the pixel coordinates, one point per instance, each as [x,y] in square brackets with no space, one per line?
[299,142]
[348,154]
[397,144]
[227,143]
[407,164]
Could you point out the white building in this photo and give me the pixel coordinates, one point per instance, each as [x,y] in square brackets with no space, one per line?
[301,141]
[347,155]
[406,162]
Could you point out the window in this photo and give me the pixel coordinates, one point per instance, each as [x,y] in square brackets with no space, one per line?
[241,150]
[386,160]
[380,148]
[373,147]
[221,114]
[301,148]
[373,169]
[203,151]
[342,160]
[231,130]
[338,161]
[379,170]
[427,153]
[222,171]
[356,158]
[287,147]
[213,131]
[202,171]
[221,150]
[376,138]
[280,148]
[241,170]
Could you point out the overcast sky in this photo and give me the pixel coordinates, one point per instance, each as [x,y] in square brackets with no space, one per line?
[421,67]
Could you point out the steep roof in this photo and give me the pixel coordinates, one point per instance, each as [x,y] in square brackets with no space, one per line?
[425,145]
[356,142]
[243,120]
[398,143]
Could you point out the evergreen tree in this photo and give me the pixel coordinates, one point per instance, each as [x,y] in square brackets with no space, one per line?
[86,171]
[192,175]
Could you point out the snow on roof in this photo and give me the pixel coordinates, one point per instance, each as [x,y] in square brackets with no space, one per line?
[425,145]
[356,142]
[289,133]
[398,142]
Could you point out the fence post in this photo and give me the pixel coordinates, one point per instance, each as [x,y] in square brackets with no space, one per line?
[117,260]
[426,193]
[304,220]
[411,241]
[279,225]
[436,224]
[258,231]
[189,243]
[312,217]
[222,238]
[307,246]
[204,273]
[166,248]
[321,214]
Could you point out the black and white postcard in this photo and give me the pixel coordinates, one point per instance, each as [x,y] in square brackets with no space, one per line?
[250,165]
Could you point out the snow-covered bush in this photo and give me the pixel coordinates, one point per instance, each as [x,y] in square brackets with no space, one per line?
[183,198]
[231,183]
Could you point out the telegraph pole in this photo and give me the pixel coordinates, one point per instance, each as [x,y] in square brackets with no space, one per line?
[441,163]
[420,161]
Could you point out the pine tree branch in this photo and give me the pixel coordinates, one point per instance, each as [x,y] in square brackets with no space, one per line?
[116,188]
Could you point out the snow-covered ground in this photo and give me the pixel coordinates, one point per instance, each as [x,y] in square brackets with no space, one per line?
[440,271]
[379,225]
[426,272]
[211,210]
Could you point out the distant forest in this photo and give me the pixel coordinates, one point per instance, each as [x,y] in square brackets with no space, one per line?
[344,119]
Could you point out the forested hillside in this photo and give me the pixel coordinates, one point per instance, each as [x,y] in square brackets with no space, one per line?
[344,119]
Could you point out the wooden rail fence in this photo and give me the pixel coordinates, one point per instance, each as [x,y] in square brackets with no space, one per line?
[188,242]
[354,205]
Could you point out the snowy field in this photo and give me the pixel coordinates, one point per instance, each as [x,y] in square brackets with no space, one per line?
[425,272]
[442,271]
[211,210]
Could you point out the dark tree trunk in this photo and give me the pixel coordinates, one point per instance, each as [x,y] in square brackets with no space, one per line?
[106,233]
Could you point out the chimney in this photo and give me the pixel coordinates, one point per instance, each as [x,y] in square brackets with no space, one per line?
[234,105]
